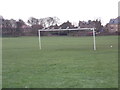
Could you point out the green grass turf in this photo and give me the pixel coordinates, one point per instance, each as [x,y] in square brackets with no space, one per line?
[63,62]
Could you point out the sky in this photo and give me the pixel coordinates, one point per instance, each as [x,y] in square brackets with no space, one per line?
[72,10]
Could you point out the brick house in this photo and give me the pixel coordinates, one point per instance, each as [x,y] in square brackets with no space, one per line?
[113,25]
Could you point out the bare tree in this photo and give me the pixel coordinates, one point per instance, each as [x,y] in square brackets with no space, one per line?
[52,21]
[48,21]
[33,21]
[42,21]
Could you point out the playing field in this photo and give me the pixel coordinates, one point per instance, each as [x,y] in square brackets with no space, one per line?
[63,62]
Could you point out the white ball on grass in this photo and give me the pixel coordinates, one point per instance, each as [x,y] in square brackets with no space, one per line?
[111,46]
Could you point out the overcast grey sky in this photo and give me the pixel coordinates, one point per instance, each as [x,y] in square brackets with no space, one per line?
[72,10]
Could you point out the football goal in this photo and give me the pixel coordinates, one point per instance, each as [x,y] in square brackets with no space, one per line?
[76,29]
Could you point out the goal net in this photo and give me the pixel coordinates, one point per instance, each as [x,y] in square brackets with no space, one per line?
[59,32]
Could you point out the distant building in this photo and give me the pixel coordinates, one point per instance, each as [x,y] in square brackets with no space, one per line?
[113,25]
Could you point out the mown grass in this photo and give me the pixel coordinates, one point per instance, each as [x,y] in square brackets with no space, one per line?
[63,62]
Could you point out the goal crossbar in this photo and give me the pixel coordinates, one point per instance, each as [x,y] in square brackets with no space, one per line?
[65,29]
[92,29]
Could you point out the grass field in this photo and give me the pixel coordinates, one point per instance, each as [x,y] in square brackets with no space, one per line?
[63,62]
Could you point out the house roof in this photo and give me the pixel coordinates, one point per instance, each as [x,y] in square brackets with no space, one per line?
[115,21]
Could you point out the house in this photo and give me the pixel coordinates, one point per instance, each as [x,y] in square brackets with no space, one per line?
[113,25]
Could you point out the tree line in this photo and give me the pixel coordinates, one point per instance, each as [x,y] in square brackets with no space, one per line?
[20,28]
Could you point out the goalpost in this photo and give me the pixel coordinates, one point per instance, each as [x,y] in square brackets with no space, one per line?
[92,29]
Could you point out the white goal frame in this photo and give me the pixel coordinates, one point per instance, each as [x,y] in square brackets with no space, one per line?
[92,29]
